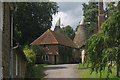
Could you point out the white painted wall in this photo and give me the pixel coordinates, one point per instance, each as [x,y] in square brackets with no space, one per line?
[1,29]
[83,55]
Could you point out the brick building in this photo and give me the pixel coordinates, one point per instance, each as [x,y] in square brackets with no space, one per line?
[80,38]
[13,60]
[52,41]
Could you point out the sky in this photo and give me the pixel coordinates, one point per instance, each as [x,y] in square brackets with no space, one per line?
[70,14]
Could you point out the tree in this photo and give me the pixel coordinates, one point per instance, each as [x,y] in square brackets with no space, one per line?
[68,31]
[31,58]
[32,19]
[90,11]
[111,32]
[105,46]
[110,8]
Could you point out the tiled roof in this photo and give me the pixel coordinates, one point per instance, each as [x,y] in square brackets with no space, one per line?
[81,36]
[52,37]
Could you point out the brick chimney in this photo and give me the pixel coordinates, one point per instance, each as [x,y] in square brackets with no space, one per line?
[100,14]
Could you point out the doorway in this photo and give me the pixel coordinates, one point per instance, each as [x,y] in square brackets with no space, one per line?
[54,59]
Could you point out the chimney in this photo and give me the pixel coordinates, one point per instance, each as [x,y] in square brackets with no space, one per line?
[57,26]
[100,14]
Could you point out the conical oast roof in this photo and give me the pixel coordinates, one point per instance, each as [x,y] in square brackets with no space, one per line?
[58,22]
[81,34]
[57,26]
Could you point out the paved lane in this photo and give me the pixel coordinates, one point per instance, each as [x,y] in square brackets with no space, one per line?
[62,71]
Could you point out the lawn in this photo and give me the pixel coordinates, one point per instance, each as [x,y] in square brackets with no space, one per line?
[85,71]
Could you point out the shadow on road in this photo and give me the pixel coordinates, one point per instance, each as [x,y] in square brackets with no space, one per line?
[85,68]
[57,67]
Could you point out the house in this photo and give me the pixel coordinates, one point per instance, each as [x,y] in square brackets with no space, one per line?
[80,38]
[54,42]
[81,35]
[13,61]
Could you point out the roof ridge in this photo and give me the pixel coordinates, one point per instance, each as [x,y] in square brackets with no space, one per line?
[39,37]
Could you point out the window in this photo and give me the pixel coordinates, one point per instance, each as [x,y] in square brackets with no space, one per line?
[45,57]
[1,15]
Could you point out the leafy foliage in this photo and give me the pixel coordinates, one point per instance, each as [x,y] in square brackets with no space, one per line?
[105,46]
[30,54]
[31,58]
[95,47]
[110,8]
[32,19]
[64,53]
[68,31]
[90,11]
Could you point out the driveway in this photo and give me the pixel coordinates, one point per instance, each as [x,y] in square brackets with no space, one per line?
[62,71]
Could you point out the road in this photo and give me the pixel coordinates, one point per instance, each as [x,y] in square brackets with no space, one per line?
[62,71]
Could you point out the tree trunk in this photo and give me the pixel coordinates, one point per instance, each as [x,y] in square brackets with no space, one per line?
[117,70]
[111,62]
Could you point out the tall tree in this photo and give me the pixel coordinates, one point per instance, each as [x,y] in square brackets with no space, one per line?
[32,19]
[90,11]
[68,30]
[105,46]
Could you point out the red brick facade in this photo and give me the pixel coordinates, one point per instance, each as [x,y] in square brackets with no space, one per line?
[6,48]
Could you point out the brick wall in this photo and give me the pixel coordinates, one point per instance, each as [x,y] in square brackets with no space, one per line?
[1,25]
[53,47]
[6,48]
[52,56]
[6,42]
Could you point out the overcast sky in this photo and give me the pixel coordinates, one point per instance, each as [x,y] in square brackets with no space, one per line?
[70,14]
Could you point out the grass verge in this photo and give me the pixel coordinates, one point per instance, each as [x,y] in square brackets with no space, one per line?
[85,71]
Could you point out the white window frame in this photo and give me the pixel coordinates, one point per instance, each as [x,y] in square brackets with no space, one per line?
[45,56]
